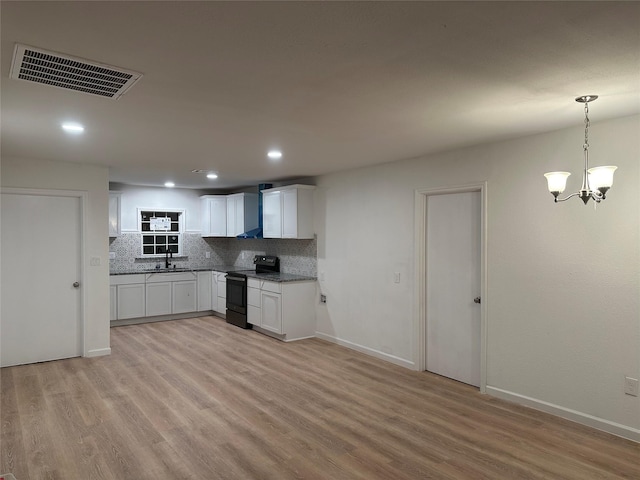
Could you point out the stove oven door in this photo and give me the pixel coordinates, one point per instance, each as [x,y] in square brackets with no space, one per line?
[237,293]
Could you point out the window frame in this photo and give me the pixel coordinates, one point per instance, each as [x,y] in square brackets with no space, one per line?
[145,232]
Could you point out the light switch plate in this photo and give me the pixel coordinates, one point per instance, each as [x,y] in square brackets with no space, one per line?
[631,386]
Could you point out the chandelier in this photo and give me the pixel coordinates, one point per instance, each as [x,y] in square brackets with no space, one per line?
[595,181]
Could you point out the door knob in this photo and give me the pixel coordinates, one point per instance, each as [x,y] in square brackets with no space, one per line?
[476,300]
[76,284]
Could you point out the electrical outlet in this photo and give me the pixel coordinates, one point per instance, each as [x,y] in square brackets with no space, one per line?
[207,254]
[94,261]
[323,298]
[112,255]
[631,386]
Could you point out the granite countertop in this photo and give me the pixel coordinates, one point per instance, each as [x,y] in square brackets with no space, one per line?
[272,277]
[280,277]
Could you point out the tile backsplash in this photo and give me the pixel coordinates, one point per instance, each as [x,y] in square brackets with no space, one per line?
[296,256]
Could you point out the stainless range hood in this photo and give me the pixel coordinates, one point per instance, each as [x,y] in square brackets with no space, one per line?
[257,232]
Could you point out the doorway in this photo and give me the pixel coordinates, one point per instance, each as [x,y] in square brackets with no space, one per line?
[41,251]
[449,325]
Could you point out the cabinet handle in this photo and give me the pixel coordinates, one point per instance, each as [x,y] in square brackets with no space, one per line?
[76,284]
[477,300]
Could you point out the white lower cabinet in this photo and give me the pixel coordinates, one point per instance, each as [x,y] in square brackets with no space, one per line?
[204,291]
[183,296]
[221,304]
[285,309]
[271,312]
[214,291]
[156,294]
[253,301]
[127,296]
[158,298]
[113,302]
[130,302]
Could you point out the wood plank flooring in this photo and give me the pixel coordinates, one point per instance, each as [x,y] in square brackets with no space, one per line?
[200,399]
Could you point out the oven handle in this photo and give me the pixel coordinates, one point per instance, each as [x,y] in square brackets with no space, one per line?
[237,279]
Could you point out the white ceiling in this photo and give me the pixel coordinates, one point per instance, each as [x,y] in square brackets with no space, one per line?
[334,85]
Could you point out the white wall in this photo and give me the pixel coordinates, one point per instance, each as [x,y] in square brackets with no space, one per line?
[34,174]
[563,292]
[134,197]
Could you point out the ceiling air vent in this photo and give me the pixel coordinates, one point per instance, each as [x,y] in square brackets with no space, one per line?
[63,71]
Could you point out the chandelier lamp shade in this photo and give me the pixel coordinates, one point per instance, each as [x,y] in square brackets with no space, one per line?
[596,181]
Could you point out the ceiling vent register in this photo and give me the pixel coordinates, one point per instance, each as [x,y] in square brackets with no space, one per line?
[59,70]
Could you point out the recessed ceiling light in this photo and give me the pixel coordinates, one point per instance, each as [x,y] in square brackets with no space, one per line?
[212,176]
[72,128]
[169,184]
[274,154]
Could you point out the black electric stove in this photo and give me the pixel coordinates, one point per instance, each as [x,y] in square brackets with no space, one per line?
[237,288]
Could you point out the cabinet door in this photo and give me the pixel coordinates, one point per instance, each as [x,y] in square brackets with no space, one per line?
[131,301]
[114,214]
[218,220]
[290,213]
[253,305]
[214,216]
[113,302]
[184,296]
[271,311]
[214,291]
[272,215]
[222,292]
[204,291]
[158,296]
[231,216]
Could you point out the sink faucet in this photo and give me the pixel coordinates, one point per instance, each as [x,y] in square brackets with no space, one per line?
[167,262]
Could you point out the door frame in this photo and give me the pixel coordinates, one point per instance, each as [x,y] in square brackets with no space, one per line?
[83,196]
[420,254]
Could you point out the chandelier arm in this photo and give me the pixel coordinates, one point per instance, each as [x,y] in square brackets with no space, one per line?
[566,198]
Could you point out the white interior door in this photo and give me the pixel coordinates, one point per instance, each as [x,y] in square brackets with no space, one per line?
[453,282]
[41,255]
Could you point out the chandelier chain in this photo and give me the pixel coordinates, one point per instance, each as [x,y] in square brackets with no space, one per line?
[586,126]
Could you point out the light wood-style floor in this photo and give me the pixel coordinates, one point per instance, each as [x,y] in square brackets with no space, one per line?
[199,399]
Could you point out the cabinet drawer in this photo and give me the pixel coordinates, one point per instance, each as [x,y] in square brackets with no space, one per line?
[274,287]
[127,279]
[253,283]
[253,296]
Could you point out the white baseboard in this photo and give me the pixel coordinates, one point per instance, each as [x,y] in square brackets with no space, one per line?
[369,351]
[614,428]
[98,352]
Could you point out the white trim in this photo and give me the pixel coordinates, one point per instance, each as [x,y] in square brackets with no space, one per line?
[98,352]
[366,350]
[84,202]
[420,303]
[568,414]
[182,223]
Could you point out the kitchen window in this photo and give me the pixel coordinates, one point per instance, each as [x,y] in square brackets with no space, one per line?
[161,231]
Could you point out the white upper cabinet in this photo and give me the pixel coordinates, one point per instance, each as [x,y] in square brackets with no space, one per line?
[272,214]
[287,212]
[242,213]
[214,215]
[114,214]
